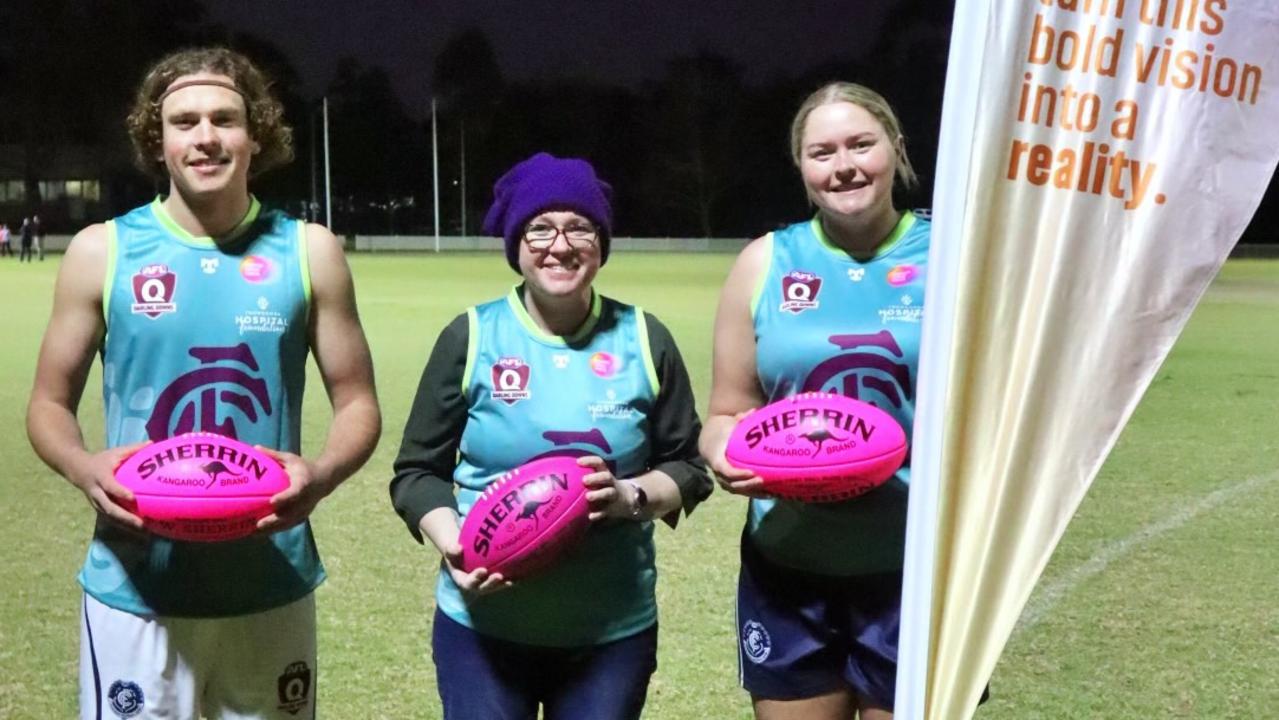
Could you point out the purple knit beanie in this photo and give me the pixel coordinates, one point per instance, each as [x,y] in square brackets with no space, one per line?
[544,182]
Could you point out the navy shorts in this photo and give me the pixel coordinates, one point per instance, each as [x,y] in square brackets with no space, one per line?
[802,635]
[483,678]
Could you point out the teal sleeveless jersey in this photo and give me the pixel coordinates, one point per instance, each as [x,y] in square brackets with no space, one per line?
[531,394]
[203,338]
[825,321]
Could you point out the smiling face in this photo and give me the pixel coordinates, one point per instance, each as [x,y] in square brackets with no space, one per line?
[206,143]
[562,269]
[848,161]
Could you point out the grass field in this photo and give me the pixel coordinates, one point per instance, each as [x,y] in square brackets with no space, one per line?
[1161,602]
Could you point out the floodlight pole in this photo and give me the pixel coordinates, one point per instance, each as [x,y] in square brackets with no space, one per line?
[315,204]
[462,125]
[435,173]
[328,176]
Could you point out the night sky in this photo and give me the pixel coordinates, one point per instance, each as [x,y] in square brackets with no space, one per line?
[619,43]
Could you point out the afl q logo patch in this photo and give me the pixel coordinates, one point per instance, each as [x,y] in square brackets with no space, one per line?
[153,288]
[755,642]
[294,687]
[510,380]
[126,698]
[799,291]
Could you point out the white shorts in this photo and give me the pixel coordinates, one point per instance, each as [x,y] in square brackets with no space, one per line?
[249,666]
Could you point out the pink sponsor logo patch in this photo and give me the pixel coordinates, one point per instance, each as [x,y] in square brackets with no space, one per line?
[256,269]
[605,364]
[902,275]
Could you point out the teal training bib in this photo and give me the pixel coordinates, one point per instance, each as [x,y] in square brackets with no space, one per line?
[530,394]
[827,322]
[202,338]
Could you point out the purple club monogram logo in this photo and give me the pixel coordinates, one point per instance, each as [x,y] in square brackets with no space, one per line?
[870,368]
[153,287]
[510,380]
[799,291]
[578,443]
[224,385]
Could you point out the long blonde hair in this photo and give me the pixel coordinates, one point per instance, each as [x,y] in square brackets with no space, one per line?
[868,100]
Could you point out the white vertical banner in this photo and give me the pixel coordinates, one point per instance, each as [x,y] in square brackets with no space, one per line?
[1098,160]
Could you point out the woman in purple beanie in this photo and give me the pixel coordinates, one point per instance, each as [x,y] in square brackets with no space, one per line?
[552,368]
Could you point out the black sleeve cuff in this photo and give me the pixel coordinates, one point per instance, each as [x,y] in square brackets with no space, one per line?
[423,478]
[674,423]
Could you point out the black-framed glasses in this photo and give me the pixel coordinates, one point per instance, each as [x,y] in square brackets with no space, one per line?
[579,236]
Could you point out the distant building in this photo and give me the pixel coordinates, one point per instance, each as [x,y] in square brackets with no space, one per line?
[68,186]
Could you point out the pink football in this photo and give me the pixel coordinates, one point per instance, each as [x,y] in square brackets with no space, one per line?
[201,486]
[818,447]
[527,518]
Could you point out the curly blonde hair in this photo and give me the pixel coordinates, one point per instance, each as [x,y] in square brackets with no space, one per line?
[265,113]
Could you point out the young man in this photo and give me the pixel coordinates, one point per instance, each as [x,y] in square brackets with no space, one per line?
[204,308]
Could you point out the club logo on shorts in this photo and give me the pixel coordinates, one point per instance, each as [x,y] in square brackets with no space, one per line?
[510,380]
[256,269]
[755,642]
[126,698]
[799,291]
[153,287]
[294,687]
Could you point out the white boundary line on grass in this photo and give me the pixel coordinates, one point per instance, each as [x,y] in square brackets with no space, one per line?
[1043,602]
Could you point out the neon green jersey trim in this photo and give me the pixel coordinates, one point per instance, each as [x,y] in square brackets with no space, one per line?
[167,221]
[904,224]
[760,281]
[109,282]
[304,261]
[472,346]
[513,299]
[650,367]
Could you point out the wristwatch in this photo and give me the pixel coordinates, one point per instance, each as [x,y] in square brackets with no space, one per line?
[639,510]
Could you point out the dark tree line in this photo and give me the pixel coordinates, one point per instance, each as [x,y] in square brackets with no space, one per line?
[696,151]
